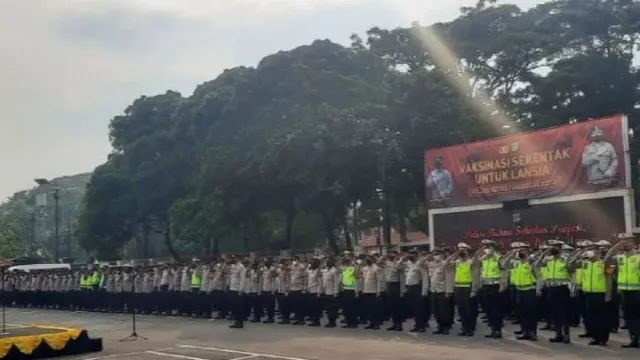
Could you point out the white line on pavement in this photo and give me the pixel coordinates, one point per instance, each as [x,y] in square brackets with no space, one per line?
[245,357]
[240,352]
[174,355]
[114,356]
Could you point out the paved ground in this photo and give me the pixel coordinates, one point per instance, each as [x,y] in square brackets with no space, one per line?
[190,339]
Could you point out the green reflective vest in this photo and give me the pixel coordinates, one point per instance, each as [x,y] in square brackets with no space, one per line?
[555,270]
[523,277]
[629,272]
[349,278]
[95,279]
[195,280]
[490,270]
[593,277]
[463,274]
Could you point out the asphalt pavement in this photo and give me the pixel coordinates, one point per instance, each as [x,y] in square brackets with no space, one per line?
[197,339]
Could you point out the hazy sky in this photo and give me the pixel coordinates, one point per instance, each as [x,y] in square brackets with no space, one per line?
[68,66]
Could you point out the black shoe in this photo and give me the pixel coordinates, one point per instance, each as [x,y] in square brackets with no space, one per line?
[299,323]
[518,332]
[350,326]
[523,337]
[284,322]
[236,326]
[585,335]
[439,331]
[566,339]
[268,321]
[556,339]
[330,325]
[597,343]
[631,345]
[533,337]
[546,327]
[314,324]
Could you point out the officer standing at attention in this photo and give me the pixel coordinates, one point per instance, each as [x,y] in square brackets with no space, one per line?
[556,276]
[488,263]
[393,271]
[596,286]
[464,291]
[627,264]
[441,279]
[348,293]
[236,288]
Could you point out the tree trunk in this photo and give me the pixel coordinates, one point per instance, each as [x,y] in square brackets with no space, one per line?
[402,225]
[347,236]
[145,239]
[329,231]
[169,244]
[291,215]
[216,250]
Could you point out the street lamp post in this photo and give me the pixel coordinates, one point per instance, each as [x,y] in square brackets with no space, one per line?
[56,200]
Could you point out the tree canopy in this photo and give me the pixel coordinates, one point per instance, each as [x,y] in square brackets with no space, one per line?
[317,142]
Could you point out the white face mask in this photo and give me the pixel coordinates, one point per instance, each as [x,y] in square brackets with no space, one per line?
[488,251]
[590,253]
[358,262]
[437,257]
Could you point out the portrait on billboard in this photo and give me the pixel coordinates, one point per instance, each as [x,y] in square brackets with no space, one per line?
[600,159]
[581,157]
[439,181]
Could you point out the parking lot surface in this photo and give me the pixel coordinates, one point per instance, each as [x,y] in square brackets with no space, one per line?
[195,339]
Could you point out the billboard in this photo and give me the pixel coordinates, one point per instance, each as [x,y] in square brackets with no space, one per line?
[583,157]
[568,221]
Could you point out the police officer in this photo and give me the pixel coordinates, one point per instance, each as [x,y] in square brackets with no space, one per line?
[465,288]
[556,276]
[487,261]
[627,265]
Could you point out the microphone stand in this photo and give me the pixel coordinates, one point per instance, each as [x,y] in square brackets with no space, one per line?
[134,334]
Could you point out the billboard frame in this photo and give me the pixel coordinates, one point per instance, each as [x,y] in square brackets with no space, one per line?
[624,132]
[626,194]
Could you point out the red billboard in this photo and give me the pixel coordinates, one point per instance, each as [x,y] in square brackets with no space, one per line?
[582,157]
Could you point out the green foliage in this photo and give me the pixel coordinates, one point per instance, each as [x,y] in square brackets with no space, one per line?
[22,223]
[308,147]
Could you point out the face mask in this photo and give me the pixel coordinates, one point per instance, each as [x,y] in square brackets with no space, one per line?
[488,251]
[590,253]
[359,262]
[437,257]
[566,253]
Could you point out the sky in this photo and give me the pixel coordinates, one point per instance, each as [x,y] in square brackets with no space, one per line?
[68,66]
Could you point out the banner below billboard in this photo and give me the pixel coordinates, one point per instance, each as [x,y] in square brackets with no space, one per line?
[595,219]
[583,157]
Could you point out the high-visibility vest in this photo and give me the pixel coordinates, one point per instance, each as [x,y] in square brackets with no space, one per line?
[556,270]
[84,281]
[579,276]
[523,277]
[95,279]
[349,278]
[593,277]
[490,270]
[514,264]
[195,280]
[463,277]
[629,272]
